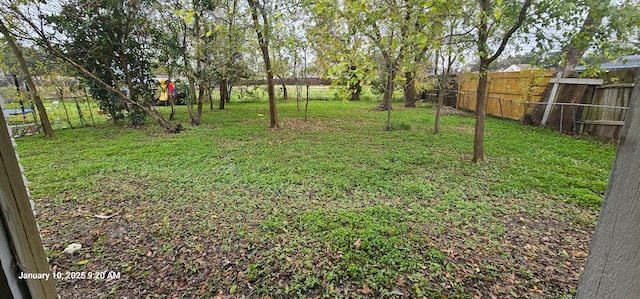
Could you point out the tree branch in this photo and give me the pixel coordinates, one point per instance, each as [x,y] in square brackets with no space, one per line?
[505,39]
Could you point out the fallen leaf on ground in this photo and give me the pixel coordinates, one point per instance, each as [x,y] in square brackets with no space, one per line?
[365,289]
[82,262]
[101,216]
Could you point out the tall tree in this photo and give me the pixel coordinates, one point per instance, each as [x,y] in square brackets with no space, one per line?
[392,28]
[388,27]
[448,54]
[581,41]
[262,27]
[35,95]
[342,51]
[431,38]
[169,47]
[196,38]
[604,28]
[229,65]
[496,21]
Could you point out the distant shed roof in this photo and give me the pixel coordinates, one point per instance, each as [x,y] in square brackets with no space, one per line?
[625,62]
[520,67]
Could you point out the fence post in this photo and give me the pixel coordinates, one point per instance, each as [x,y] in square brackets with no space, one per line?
[575,128]
[552,98]
[613,264]
[20,227]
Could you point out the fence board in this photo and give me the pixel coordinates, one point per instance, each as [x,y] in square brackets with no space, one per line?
[19,222]
[506,91]
[606,122]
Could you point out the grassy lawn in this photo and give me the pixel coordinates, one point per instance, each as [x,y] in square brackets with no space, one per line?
[333,207]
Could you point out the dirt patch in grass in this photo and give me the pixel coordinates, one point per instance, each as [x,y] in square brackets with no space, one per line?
[302,125]
[466,129]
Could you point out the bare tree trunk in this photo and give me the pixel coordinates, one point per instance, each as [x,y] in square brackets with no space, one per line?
[192,98]
[223,93]
[485,61]
[285,93]
[264,48]
[410,90]
[202,91]
[388,89]
[306,82]
[172,116]
[389,98]
[575,50]
[192,80]
[306,106]
[355,90]
[481,111]
[197,116]
[298,95]
[298,88]
[211,99]
[133,95]
[613,264]
[42,111]
[443,83]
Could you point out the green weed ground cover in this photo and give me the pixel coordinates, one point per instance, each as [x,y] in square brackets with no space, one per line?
[333,207]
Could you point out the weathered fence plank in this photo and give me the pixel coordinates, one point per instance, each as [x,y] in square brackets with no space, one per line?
[19,221]
[556,83]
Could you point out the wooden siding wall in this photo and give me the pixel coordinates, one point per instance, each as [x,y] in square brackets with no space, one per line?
[507,91]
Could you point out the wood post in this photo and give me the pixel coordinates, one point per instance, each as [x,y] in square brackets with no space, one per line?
[552,98]
[613,264]
[19,226]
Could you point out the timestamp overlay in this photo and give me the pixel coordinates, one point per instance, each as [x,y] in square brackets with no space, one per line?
[72,275]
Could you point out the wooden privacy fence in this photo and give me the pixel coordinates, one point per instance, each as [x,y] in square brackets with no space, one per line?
[616,92]
[507,92]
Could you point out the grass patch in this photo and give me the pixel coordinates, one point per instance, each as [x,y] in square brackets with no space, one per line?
[333,207]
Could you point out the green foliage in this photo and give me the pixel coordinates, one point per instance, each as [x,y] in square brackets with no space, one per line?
[165,225]
[110,41]
[609,33]
[357,52]
[399,127]
[38,62]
